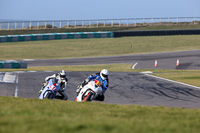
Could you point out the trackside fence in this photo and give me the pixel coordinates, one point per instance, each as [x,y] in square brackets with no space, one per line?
[52,24]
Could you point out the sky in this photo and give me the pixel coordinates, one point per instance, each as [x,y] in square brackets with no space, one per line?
[96,9]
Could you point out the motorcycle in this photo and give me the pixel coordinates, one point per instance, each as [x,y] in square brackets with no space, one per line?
[50,90]
[89,91]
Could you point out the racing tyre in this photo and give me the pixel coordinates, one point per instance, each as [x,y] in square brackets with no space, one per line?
[88,97]
[48,95]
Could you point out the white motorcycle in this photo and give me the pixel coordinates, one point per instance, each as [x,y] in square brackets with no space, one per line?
[50,90]
[89,91]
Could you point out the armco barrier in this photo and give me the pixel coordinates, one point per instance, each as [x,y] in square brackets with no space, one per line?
[12,64]
[55,36]
[155,33]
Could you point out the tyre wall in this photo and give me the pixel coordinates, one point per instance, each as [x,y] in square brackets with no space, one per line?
[155,33]
[55,36]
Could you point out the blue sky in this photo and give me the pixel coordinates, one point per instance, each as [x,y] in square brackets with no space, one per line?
[96,9]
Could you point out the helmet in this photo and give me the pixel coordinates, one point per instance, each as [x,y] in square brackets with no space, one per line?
[104,74]
[62,74]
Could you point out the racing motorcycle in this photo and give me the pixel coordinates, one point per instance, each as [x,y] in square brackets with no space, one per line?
[91,90]
[50,90]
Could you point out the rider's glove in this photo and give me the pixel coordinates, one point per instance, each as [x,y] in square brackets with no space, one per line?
[44,84]
[79,86]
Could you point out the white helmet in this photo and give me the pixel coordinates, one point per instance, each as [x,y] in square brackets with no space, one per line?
[104,74]
[62,74]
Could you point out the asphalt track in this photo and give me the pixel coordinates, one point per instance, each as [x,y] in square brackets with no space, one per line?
[125,87]
[188,60]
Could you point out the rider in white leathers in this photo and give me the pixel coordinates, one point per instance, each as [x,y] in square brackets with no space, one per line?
[62,80]
[103,77]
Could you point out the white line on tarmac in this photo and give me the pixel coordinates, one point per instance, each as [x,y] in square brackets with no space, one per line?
[133,67]
[28,59]
[16,88]
[9,77]
[173,81]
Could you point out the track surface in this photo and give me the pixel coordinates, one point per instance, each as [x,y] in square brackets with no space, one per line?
[188,60]
[125,87]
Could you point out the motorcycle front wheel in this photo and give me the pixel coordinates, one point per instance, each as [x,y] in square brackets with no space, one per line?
[49,95]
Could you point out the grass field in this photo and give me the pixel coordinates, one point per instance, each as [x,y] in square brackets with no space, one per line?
[96,47]
[34,115]
[49,116]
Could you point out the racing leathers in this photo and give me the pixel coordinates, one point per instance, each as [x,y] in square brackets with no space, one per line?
[105,84]
[63,85]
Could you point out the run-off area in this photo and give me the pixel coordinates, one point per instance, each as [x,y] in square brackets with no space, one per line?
[124,88]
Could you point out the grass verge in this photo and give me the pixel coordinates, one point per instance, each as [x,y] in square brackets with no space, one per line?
[55,49]
[34,115]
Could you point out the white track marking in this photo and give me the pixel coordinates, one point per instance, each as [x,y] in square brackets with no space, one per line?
[9,77]
[28,59]
[16,88]
[173,81]
[47,71]
[146,72]
[32,71]
[133,67]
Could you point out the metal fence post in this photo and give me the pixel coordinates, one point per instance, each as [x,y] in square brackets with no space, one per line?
[160,21]
[45,24]
[194,20]
[97,23]
[67,23]
[15,25]
[177,20]
[112,23]
[186,20]
[135,22]
[0,26]
[8,25]
[82,23]
[90,23]
[38,23]
[104,23]
[119,22]
[60,23]
[52,24]
[127,22]
[143,20]
[30,25]
[75,23]
[168,21]
[22,25]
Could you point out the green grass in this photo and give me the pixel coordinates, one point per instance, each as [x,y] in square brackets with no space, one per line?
[34,115]
[96,47]
[189,77]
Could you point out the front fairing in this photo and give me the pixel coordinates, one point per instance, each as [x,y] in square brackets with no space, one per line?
[89,87]
[51,88]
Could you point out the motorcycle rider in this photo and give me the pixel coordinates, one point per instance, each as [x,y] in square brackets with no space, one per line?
[102,76]
[62,80]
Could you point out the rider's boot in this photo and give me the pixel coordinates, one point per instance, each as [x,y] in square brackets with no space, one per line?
[40,91]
